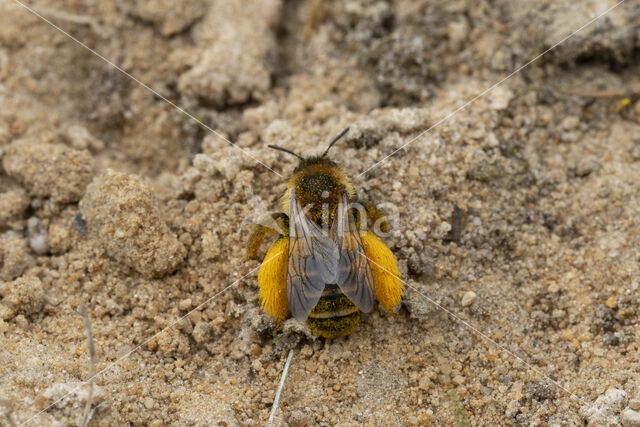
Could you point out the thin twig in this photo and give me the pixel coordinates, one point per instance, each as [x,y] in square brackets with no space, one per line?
[156,335]
[87,327]
[276,401]
[610,93]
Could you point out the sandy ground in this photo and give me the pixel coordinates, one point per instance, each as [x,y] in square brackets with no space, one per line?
[521,307]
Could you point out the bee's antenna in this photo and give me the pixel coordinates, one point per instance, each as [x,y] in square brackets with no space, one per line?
[275,147]
[340,135]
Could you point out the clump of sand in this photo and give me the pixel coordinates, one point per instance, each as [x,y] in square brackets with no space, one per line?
[49,170]
[24,295]
[123,216]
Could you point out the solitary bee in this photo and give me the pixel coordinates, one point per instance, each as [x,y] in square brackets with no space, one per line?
[326,266]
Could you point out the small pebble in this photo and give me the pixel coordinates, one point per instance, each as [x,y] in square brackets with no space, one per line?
[38,236]
[80,224]
[39,243]
[605,410]
[570,123]
[630,418]
[202,332]
[299,419]
[634,404]
[567,334]
[185,304]
[236,355]
[585,337]
[468,298]
[512,408]
[257,365]
[306,351]
[148,403]
[500,98]
[611,302]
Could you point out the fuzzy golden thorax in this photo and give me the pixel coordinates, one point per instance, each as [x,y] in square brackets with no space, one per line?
[318,184]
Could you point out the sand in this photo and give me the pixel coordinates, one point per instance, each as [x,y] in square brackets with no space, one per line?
[515,219]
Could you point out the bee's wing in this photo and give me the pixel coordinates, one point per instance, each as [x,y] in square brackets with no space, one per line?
[354,272]
[312,262]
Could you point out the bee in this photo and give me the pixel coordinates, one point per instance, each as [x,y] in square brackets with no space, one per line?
[326,266]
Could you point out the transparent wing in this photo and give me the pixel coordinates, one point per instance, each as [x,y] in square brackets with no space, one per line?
[311,263]
[354,272]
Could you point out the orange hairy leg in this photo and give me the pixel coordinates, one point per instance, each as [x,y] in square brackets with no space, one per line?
[272,279]
[368,216]
[376,216]
[276,223]
[386,276]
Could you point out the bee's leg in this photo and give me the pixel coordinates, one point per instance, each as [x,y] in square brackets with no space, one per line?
[369,213]
[272,280]
[384,269]
[276,223]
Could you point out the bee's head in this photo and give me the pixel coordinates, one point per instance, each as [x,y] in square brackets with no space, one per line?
[317,179]
[319,161]
[313,161]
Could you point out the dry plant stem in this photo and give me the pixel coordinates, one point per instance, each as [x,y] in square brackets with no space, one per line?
[276,401]
[157,334]
[613,93]
[87,327]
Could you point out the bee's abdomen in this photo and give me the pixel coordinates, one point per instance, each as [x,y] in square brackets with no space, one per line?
[334,315]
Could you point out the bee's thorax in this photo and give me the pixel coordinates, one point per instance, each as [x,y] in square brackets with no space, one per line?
[319,184]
